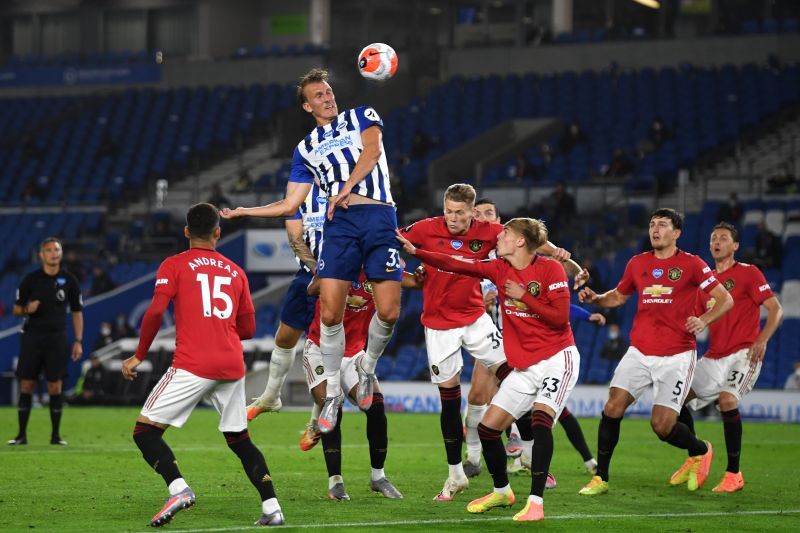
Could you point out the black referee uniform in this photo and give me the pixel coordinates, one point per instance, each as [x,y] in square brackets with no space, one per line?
[44,344]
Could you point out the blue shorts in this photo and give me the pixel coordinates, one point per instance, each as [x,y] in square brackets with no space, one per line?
[362,235]
[298,307]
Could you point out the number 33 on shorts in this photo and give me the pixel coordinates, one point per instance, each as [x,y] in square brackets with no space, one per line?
[393,263]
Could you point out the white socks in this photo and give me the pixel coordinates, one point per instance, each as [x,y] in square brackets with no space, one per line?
[471,420]
[503,490]
[377,473]
[380,333]
[331,344]
[270,506]
[457,471]
[177,485]
[279,365]
[333,480]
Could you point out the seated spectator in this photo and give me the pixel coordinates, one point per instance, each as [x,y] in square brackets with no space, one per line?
[243,184]
[421,144]
[73,265]
[572,137]
[793,381]
[782,184]
[561,205]
[732,211]
[122,330]
[101,281]
[614,347]
[218,198]
[656,136]
[769,248]
[619,166]
[104,338]
[89,390]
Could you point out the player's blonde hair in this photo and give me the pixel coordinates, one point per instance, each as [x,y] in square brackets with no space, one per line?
[315,75]
[461,192]
[532,230]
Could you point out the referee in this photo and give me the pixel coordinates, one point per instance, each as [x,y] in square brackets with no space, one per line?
[42,298]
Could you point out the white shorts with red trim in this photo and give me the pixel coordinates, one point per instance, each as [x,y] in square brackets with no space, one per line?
[549,382]
[315,372]
[481,339]
[179,391]
[733,374]
[670,376]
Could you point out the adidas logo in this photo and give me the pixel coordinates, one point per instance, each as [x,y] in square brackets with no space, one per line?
[547,395]
[674,400]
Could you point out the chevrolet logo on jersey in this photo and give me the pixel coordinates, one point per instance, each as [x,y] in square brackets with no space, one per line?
[518,305]
[657,291]
[355,301]
[710,304]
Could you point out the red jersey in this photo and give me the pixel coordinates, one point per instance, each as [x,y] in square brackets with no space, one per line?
[357,314]
[452,300]
[739,327]
[667,296]
[527,340]
[208,292]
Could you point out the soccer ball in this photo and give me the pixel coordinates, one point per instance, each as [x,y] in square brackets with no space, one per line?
[377,61]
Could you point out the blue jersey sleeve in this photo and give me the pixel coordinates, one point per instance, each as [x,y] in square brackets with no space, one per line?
[297,216]
[367,117]
[300,171]
[578,313]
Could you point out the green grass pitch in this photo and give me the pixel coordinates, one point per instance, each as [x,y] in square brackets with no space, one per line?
[100,482]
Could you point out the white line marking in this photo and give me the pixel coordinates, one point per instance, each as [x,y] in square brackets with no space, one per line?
[501,519]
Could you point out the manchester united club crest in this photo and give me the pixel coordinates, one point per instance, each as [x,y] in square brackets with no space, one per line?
[319,370]
[675,274]
[475,245]
[729,283]
[368,287]
[435,370]
[534,288]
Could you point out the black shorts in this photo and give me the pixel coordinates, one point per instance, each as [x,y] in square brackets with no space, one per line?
[48,351]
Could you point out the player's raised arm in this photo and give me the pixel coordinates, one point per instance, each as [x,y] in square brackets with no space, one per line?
[565,258]
[295,195]
[369,157]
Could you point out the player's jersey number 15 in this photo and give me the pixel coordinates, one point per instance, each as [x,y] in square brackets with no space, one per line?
[217,294]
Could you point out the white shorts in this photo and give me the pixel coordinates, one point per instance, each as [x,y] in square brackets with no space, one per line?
[315,372]
[732,374]
[481,339]
[670,376]
[549,382]
[178,392]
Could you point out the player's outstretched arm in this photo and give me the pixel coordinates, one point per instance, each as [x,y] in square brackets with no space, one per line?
[555,313]
[612,298]
[295,195]
[774,318]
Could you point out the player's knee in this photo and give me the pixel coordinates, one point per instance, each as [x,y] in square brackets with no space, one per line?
[390,315]
[662,427]
[330,318]
[614,409]
[728,402]
[478,397]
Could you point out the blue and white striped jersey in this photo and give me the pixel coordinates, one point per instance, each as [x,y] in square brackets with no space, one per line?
[312,211]
[330,153]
